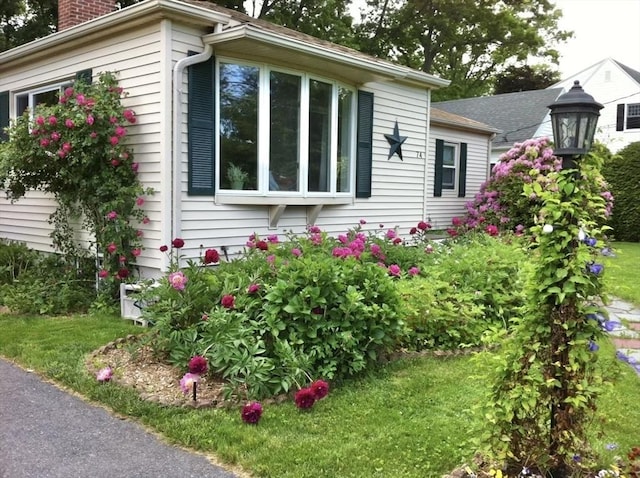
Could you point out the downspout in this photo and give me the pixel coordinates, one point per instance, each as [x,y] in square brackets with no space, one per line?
[178,71]
[427,152]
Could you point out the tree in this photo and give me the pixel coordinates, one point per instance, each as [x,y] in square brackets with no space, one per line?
[465,41]
[525,78]
[622,172]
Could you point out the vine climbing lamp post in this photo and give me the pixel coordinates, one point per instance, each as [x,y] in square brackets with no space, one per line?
[574,117]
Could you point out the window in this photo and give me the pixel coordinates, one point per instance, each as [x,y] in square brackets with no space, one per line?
[283,132]
[450,167]
[628,116]
[48,95]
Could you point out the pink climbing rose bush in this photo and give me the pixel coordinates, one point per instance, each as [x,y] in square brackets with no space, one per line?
[76,150]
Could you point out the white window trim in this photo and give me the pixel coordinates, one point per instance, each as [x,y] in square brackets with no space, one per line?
[302,197]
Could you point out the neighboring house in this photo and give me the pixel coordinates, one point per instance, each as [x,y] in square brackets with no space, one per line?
[617,87]
[312,124]
[519,116]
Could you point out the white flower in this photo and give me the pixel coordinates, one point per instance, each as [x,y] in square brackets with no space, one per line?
[104,375]
[581,235]
[547,229]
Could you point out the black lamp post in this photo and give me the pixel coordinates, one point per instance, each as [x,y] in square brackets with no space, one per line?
[574,117]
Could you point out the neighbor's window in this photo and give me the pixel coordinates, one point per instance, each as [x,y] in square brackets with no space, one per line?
[48,95]
[633,116]
[284,132]
[450,153]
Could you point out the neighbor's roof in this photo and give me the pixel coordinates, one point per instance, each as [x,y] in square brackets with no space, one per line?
[460,122]
[517,115]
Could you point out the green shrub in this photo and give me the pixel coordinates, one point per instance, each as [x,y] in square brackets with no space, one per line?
[15,258]
[280,315]
[49,284]
[622,172]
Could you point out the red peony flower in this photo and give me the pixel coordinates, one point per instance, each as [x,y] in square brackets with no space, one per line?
[198,364]
[262,245]
[320,389]
[123,273]
[211,256]
[164,248]
[228,301]
[305,398]
[423,226]
[413,231]
[251,413]
[177,243]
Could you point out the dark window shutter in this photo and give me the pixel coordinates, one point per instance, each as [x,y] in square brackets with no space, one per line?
[462,176]
[4,114]
[85,75]
[437,179]
[620,117]
[364,155]
[201,129]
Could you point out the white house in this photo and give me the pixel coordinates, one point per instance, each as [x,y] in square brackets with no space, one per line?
[617,87]
[326,135]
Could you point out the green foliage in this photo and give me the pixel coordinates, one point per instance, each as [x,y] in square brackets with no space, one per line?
[525,78]
[283,313]
[547,378]
[622,172]
[47,283]
[75,151]
[15,258]
[470,288]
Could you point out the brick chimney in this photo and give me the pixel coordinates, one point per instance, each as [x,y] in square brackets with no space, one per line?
[74,12]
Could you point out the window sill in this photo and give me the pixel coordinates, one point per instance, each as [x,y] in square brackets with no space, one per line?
[278,204]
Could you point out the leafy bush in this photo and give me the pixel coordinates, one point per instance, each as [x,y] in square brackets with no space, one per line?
[49,284]
[622,172]
[285,312]
[15,258]
[474,284]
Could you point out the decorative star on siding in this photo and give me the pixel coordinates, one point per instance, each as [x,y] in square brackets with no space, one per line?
[395,142]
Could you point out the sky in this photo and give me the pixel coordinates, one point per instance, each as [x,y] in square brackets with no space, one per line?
[602,29]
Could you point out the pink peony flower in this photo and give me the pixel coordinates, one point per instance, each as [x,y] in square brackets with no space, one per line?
[177,243]
[394,270]
[178,280]
[363,222]
[314,229]
[111,248]
[273,238]
[253,288]
[198,365]
[428,249]
[491,230]
[211,256]
[320,389]
[251,413]
[271,259]
[112,215]
[305,398]
[413,271]
[228,301]
[104,374]
[187,382]
[296,252]
[391,234]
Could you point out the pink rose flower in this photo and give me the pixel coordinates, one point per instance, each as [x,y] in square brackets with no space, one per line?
[115,162]
[66,147]
[139,201]
[136,252]
[112,215]
[93,135]
[55,136]
[40,120]
[68,92]
[114,140]
[90,120]
[44,142]
[134,166]
[130,116]
[53,120]
[69,123]
[146,220]
[113,120]
[80,99]
[103,274]
[111,248]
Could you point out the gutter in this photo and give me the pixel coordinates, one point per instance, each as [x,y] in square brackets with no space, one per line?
[176,128]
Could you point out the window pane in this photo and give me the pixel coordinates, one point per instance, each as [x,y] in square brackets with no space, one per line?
[238,126]
[448,178]
[284,146]
[345,134]
[448,158]
[48,98]
[22,103]
[319,136]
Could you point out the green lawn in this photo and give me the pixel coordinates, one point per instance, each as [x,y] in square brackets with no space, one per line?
[412,418]
[622,273]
